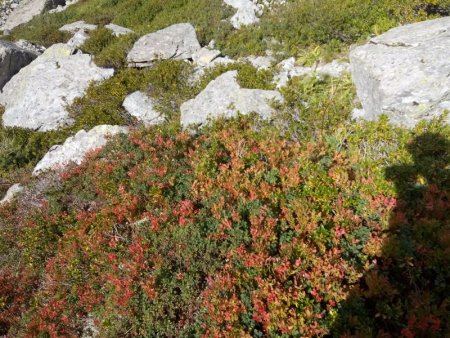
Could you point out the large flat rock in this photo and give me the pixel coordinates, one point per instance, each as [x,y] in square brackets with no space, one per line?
[76,147]
[224,97]
[12,59]
[37,96]
[405,73]
[178,42]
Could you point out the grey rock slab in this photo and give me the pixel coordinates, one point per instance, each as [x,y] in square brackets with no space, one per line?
[76,147]
[37,96]
[224,97]
[12,59]
[178,41]
[140,106]
[77,26]
[12,192]
[405,73]
[27,9]
[118,30]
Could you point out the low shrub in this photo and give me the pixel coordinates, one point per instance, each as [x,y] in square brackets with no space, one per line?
[332,26]
[236,231]
[290,28]
[315,105]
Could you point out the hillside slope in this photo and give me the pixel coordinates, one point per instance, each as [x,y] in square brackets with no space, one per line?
[291,219]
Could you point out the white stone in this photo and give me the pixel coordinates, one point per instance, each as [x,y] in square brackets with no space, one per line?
[90,329]
[204,56]
[221,61]
[140,106]
[78,39]
[333,69]
[29,46]
[76,147]
[245,14]
[287,70]
[77,26]
[224,97]
[12,192]
[118,30]
[404,73]
[212,44]
[178,42]
[261,62]
[37,96]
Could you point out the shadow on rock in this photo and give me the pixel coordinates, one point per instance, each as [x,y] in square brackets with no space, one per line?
[406,292]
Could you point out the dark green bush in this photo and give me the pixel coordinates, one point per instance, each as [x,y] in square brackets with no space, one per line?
[237,231]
